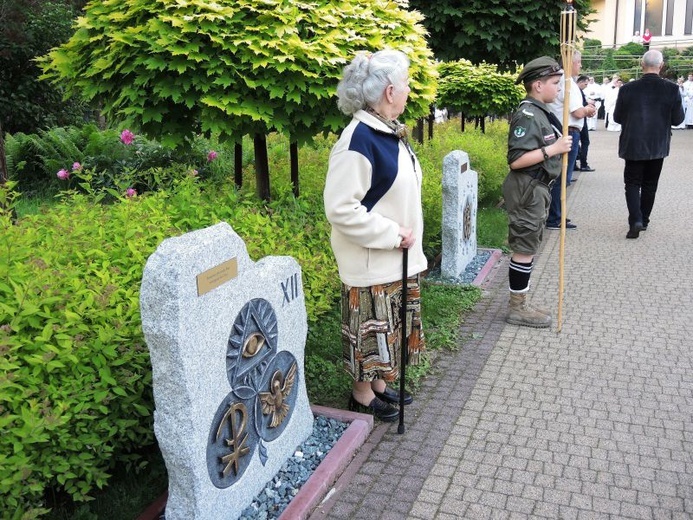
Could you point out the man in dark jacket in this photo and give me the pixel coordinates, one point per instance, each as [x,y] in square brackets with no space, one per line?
[647,109]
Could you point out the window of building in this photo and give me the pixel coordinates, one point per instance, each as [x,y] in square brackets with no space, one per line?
[653,16]
[669,29]
[637,19]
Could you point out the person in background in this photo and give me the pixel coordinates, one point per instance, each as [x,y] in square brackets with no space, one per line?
[440,115]
[593,91]
[646,109]
[584,132]
[688,100]
[372,199]
[679,84]
[576,119]
[535,146]
[637,38]
[606,84]
[646,39]
[610,103]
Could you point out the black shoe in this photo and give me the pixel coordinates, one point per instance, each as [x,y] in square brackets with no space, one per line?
[392,396]
[568,225]
[383,411]
[586,169]
[634,231]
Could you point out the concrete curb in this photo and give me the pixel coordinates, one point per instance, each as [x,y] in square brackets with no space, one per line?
[496,254]
[333,465]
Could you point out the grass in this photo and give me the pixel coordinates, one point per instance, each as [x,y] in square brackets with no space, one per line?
[492,228]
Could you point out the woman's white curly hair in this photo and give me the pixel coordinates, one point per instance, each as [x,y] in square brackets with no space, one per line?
[365,79]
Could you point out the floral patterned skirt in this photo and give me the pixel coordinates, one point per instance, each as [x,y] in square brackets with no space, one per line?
[371,329]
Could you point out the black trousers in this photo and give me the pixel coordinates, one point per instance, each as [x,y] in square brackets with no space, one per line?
[641,179]
[584,146]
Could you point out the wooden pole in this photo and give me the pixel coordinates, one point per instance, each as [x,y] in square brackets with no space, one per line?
[404,347]
[568,19]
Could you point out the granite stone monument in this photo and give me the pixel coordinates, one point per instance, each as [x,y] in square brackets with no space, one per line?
[460,198]
[226,337]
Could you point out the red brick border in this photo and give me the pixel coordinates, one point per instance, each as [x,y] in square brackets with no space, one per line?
[327,472]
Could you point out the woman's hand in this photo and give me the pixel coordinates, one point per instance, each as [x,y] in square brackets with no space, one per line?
[408,238]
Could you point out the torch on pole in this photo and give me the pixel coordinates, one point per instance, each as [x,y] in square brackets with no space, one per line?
[567,36]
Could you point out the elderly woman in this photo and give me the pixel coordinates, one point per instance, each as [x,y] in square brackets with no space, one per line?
[373,201]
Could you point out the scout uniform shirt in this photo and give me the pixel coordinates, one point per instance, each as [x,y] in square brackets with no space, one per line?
[533,126]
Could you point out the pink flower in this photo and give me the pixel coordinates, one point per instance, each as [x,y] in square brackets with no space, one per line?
[76,167]
[130,192]
[63,174]
[211,156]
[127,137]
[195,173]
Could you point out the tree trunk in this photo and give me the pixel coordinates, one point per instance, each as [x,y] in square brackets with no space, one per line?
[293,148]
[431,120]
[4,174]
[418,132]
[4,177]
[238,165]
[462,123]
[261,167]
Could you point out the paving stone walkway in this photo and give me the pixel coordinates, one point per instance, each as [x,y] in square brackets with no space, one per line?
[593,422]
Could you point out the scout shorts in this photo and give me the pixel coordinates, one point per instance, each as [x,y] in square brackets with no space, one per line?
[527,203]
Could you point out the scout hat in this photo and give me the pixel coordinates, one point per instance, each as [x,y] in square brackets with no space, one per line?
[539,68]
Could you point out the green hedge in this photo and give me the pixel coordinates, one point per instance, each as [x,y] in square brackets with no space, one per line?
[75,378]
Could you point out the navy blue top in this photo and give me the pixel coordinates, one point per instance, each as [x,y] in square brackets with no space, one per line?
[382,151]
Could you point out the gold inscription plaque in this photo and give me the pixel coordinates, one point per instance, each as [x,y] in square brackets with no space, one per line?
[216,276]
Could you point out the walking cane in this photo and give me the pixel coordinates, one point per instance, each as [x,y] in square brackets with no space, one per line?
[404,353]
[568,18]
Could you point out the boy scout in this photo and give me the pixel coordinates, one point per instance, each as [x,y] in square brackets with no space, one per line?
[535,146]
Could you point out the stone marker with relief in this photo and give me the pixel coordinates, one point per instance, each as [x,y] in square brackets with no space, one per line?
[226,337]
[460,199]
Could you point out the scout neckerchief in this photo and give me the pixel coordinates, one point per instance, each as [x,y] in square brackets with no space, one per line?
[553,120]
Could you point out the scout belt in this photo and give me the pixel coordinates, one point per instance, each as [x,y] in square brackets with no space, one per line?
[542,176]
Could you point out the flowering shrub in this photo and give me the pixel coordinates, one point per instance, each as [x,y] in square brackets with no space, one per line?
[104,159]
[127,137]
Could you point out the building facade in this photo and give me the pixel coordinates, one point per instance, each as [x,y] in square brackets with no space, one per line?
[616,21]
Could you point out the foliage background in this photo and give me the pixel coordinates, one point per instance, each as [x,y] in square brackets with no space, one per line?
[232,67]
[477,90]
[76,384]
[507,33]
[29,28]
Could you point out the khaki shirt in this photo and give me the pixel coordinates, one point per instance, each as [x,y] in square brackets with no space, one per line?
[531,129]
